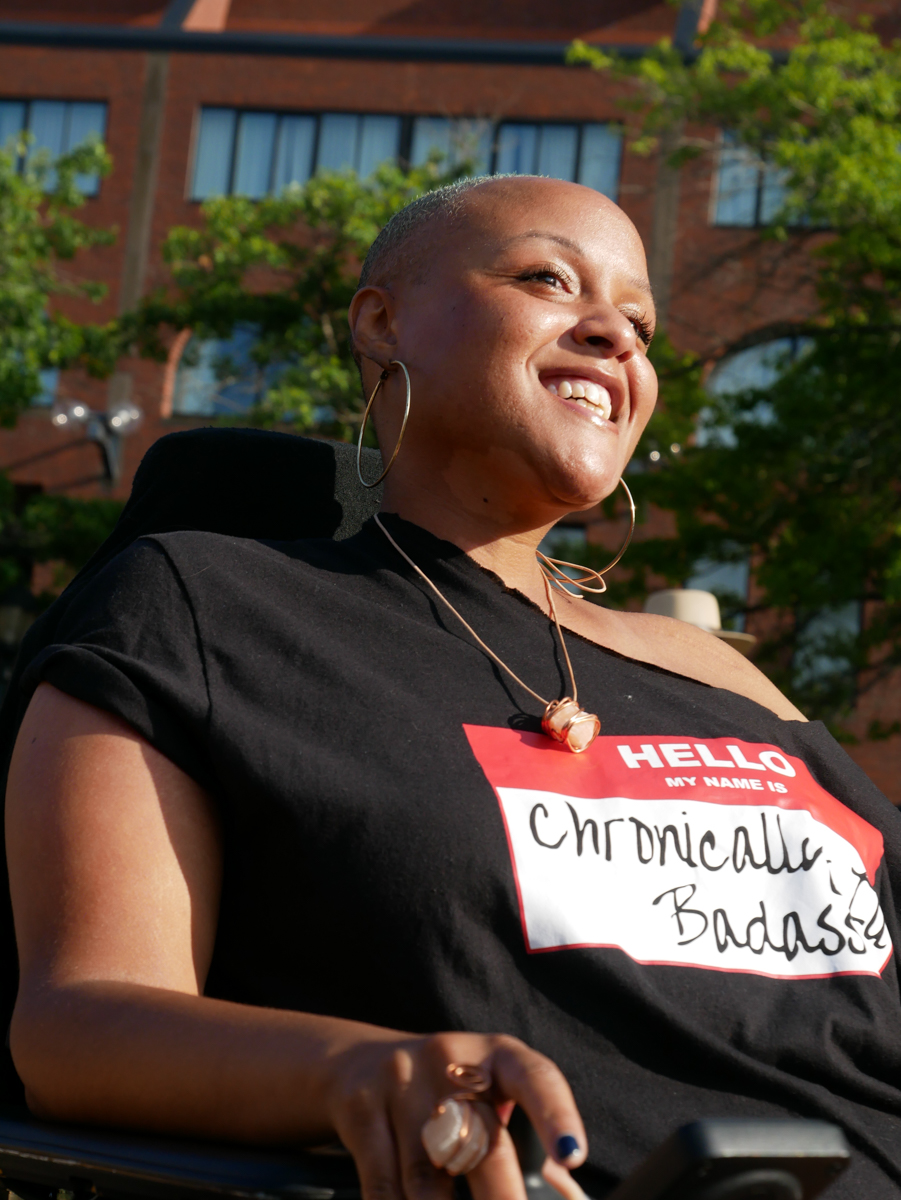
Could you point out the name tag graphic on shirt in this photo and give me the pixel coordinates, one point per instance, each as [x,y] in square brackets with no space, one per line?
[716,853]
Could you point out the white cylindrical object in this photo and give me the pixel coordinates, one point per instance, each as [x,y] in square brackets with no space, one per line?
[686,604]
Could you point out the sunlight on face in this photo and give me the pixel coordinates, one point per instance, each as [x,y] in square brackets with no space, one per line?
[526,335]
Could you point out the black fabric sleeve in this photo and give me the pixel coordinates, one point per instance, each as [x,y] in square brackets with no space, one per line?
[129,644]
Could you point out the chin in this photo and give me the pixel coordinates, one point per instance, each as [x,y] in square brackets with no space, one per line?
[583,480]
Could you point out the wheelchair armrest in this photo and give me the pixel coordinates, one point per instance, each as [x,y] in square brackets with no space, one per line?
[741,1158]
[39,1159]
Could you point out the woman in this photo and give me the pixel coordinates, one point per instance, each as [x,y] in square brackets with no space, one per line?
[288,842]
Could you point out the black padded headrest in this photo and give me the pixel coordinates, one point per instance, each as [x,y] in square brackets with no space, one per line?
[243,482]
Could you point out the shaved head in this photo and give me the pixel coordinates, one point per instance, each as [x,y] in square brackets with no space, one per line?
[397,251]
[408,244]
[403,248]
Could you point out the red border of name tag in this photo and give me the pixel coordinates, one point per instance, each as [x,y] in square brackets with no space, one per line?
[511,758]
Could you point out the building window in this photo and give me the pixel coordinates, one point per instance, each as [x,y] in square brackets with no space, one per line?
[46,397]
[461,140]
[825,641]
[757,367]
[56,126]
[219,377]
[258,153]
[588,154]
[748,192]
[729,583]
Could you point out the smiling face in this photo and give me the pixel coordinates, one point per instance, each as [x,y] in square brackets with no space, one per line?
[525,334]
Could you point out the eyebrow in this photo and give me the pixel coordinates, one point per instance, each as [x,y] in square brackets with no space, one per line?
[545,236]
[636,281]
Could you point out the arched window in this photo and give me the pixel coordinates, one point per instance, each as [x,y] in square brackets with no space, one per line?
[219,377]
[756,366]
[825,641]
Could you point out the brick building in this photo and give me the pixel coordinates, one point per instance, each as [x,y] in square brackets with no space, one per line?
[199,97]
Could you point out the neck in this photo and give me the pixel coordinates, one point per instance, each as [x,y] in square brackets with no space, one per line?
[492,538]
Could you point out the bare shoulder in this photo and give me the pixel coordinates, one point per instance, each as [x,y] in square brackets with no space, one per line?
[687,650]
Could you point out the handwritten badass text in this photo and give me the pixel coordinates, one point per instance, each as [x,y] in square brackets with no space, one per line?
[738,886]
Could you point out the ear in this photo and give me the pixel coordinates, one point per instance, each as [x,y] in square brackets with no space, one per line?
[371,317]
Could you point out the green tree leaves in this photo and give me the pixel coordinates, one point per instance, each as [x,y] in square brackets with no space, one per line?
[56,529]
[288,266]
[38,233]
[801,477]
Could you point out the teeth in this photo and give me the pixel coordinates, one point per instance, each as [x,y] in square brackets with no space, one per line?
[596,415]
[605,403]
[587,395]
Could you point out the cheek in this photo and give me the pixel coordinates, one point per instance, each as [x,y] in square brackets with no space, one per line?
[643,392]
[501,346]
[450,340]
[488,335]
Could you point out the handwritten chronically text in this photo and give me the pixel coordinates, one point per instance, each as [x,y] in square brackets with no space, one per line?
[742,885]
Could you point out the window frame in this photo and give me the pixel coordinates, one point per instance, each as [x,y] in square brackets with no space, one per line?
[763,170]
[405,139]
[810,674]
[240,341]
[559,122]
[68,101]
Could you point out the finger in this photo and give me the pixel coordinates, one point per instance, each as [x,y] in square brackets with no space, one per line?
[420,1179]
[498,1177]
[561,1180]
[368,1137]
[533,1081]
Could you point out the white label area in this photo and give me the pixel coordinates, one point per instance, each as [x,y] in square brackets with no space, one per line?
[725,886]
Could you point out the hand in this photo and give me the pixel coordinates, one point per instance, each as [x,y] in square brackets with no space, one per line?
[383,1092]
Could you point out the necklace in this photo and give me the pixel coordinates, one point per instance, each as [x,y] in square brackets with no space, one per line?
[563,719]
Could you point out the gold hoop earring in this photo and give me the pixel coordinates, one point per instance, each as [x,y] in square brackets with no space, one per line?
[553,568]
[375,391]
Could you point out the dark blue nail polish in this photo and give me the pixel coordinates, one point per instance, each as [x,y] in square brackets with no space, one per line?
[566,1147]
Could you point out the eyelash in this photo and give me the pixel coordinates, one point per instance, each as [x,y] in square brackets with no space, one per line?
[542,273]
[642,325]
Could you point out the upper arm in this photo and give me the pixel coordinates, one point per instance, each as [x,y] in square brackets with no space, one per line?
[114,854]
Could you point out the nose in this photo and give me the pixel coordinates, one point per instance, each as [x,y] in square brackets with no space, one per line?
[610,332]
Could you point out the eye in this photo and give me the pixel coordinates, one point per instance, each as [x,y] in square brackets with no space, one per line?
[642,327]
[547,274]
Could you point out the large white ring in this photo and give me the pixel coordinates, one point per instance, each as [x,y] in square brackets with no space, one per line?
[455,1136]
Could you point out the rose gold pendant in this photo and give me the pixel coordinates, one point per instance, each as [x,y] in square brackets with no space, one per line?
[565,722]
